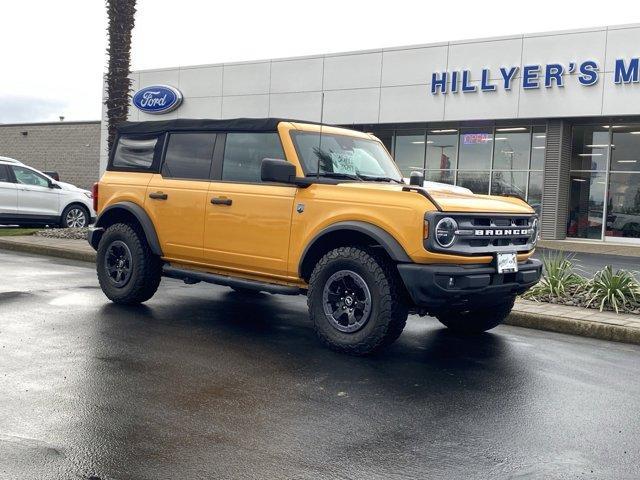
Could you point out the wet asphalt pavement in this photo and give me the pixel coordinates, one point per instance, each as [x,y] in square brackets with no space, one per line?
[204,383]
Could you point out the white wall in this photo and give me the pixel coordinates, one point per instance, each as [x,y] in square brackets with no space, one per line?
[393,85]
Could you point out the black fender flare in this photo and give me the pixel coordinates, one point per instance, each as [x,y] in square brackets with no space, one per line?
[381,236]
[141,216]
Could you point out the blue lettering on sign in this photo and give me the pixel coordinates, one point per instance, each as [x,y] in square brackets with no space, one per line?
[530,76]
[157,99]
[551,75]
[553,72]
[624,74]
[454,82]
[588,73]
[507,76]
[485,86]
[466,79]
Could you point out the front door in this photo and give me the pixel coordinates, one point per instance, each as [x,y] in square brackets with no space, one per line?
[176,197]
[8,193]
[247,222]
[36,197]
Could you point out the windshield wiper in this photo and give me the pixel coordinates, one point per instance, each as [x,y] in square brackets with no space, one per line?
[373,178]
[347,176]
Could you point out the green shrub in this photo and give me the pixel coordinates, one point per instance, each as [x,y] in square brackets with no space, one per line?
[614,290]
[558,277]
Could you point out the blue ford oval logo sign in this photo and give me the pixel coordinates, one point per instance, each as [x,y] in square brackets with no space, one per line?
[157,99]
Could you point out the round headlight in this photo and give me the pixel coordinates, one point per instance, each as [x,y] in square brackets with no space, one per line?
[534,231]
[446,232]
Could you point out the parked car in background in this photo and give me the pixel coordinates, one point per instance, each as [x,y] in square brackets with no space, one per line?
[30,197]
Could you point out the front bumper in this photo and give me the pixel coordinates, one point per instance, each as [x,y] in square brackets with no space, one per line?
[439,287]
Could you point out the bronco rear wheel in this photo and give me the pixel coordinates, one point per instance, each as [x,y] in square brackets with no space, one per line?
[356,301]
[477,320]
[128,271]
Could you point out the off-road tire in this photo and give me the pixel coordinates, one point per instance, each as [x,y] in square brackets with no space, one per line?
[478,320]
[65,212]
[146,269]
[389,307]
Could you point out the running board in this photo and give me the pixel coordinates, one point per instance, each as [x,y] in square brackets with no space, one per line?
[194,276]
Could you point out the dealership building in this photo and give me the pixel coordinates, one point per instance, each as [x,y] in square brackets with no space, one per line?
[552,117]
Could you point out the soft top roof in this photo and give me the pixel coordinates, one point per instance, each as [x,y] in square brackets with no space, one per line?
[230,125]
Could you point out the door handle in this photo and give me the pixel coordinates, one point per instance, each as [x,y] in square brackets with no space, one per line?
[221,201]
[158,196]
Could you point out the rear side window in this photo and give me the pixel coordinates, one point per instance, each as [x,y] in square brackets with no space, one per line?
[189,155]
[4,174]
[244,152]
[135,153]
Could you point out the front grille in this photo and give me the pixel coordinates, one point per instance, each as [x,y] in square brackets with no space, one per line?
[481,234]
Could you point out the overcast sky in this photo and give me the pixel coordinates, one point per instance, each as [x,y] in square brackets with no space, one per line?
[52,53]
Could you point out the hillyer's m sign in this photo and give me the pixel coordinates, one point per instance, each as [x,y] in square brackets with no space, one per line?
[532,76]
[157,99]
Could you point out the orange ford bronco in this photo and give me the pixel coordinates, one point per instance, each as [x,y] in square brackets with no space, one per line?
[287,207]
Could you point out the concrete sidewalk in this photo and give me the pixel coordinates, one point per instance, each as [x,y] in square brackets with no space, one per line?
[54,247]
[595,247]
[541,316]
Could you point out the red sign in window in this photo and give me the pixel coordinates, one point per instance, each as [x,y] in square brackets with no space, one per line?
[475,138]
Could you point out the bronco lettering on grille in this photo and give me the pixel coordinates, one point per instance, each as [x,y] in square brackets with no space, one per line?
[502,232]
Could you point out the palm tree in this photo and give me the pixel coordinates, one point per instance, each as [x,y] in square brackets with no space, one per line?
[121,21]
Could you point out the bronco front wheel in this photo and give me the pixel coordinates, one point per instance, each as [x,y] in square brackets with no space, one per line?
[356,301]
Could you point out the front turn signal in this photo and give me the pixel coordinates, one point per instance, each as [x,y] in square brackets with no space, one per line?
[425,229]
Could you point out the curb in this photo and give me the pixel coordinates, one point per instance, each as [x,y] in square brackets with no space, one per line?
[47,250]
[582,328]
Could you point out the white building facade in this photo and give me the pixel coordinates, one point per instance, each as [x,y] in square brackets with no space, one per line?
[553,117]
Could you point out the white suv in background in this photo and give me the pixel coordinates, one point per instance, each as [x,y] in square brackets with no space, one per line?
[29,197]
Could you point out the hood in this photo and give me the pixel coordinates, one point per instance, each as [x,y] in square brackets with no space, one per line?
[71,188]
[457,199]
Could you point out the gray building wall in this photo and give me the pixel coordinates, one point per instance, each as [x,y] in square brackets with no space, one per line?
[70,148]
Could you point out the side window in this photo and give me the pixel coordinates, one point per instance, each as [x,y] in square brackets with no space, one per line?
[135,153]
[4,174]
[243,154]
[189,155]
[26,176]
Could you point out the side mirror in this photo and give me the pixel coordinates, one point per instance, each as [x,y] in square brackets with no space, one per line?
[53,185]
[277,170]
[416,178]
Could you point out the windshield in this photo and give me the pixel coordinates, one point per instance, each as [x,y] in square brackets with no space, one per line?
[344,156]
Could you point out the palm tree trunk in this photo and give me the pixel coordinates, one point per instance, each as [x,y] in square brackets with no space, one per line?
[121,21]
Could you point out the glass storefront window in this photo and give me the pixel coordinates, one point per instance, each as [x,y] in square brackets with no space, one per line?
[534,195]
[586,204]
[476,147]
[477,182]
[442,176]
[590,148]
[512,148]
[623,205]
[538,147]
[409,150]
[510,182]
[625,149]
[442,150]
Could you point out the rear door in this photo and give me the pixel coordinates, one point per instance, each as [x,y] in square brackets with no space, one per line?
[35,195]
[176,197]
[8,193]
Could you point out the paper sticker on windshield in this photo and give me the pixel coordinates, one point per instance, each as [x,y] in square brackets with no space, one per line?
[343,162]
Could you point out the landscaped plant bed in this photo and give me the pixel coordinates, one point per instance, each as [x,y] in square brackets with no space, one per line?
[617,291]
[64,233]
